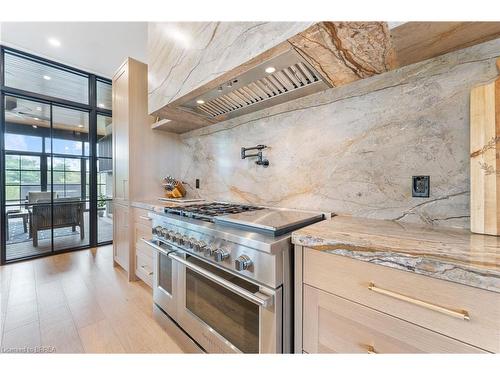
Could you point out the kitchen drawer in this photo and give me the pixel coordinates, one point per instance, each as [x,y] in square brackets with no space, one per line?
[144,250]
[141,216]
[141,231]
[336,325]
[431,303]
[144,268]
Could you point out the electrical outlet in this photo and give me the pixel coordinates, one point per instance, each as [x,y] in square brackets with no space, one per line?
[420,186]
[197,183]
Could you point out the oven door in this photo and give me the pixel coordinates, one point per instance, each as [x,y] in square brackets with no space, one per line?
[164,278]
[225,313]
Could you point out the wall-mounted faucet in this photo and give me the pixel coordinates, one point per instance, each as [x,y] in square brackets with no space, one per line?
[261,160]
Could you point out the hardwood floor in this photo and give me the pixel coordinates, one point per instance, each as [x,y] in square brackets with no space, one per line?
[78,303]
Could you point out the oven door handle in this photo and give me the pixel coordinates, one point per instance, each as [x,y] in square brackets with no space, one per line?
[258,298]
[154,246]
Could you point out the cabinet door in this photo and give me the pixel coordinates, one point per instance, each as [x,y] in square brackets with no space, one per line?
[121,242]
[335,325]
[121,134]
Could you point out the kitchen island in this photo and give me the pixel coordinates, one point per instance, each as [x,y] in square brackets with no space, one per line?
[357,279]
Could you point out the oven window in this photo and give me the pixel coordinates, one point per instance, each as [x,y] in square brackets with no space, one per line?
[230,315]
[165,273]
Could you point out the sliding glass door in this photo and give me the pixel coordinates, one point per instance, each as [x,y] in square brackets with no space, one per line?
[56,161]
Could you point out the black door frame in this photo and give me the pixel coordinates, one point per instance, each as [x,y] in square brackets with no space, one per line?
[93,110]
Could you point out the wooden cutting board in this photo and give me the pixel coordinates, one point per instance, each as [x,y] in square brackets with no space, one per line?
[485,158]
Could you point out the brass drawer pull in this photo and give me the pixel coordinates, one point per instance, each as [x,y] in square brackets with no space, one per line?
[145,218]
[456,314]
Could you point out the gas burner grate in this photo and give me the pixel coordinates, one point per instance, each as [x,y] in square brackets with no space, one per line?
[207,211]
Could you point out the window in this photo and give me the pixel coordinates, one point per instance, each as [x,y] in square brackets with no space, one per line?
[103,95]
[22,174]
[50,116]
[67,174]
[30,74]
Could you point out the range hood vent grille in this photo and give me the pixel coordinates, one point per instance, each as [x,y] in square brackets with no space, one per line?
[288,79]
[255,89]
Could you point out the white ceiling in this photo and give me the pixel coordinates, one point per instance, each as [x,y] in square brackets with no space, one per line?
[96,47]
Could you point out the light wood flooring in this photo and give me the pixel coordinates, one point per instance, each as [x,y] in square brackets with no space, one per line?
[78,303]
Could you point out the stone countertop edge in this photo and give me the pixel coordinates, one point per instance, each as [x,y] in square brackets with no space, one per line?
[444,267]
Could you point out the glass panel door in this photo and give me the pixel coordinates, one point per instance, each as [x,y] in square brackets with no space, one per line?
[70,157]
[27,218]
[104,179]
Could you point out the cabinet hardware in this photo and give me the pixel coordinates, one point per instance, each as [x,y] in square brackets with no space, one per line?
[145,218]
[462,314]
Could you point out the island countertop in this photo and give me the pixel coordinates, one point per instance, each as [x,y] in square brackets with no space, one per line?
[450,254]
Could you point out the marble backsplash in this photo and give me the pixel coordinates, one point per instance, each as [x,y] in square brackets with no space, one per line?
[353,149]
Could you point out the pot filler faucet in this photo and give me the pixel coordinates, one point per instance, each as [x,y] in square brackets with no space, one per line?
[261,160]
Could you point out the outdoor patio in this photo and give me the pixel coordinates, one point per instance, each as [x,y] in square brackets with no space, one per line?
[20,245]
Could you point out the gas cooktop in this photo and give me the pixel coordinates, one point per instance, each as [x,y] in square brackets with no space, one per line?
[207,211]
[274,221]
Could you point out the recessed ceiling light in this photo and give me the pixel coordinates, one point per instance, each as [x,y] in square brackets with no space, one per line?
[200,101]
[38,108]
[101,105]
[270,69]
[48,78]
[34,126]
[80,126]
[54,42]
[37,119]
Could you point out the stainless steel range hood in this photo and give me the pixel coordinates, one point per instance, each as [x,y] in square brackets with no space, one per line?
[283,78]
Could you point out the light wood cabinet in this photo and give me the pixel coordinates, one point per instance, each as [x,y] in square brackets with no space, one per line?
[121,123]
[143,253]
[141,156]
[336,325]
[121,245]
[129,118]
[346,305]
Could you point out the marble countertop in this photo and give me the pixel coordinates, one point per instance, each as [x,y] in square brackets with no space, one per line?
[450,254]
[157,205]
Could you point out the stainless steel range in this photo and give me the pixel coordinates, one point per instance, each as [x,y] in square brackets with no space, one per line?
[222,273]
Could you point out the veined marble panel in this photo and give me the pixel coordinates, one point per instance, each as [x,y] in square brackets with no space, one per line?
[185,55]
[353,149]
[344,52]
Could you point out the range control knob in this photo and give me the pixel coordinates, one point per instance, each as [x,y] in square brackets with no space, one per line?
[221,255]
[177,237]
[200,246]
[157,229]
[243,262]
[191,242]
[163,232]
[183,240]
[167,234]
[210,250]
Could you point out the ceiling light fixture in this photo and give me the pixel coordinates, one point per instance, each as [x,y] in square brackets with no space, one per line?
[37,119]
[80,126]
[200,101]
[270,69]
[54,42]
[34,126]
[48,78]
[101,105]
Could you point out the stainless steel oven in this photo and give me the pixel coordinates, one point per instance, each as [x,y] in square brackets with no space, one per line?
[220,310]
[222,275]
